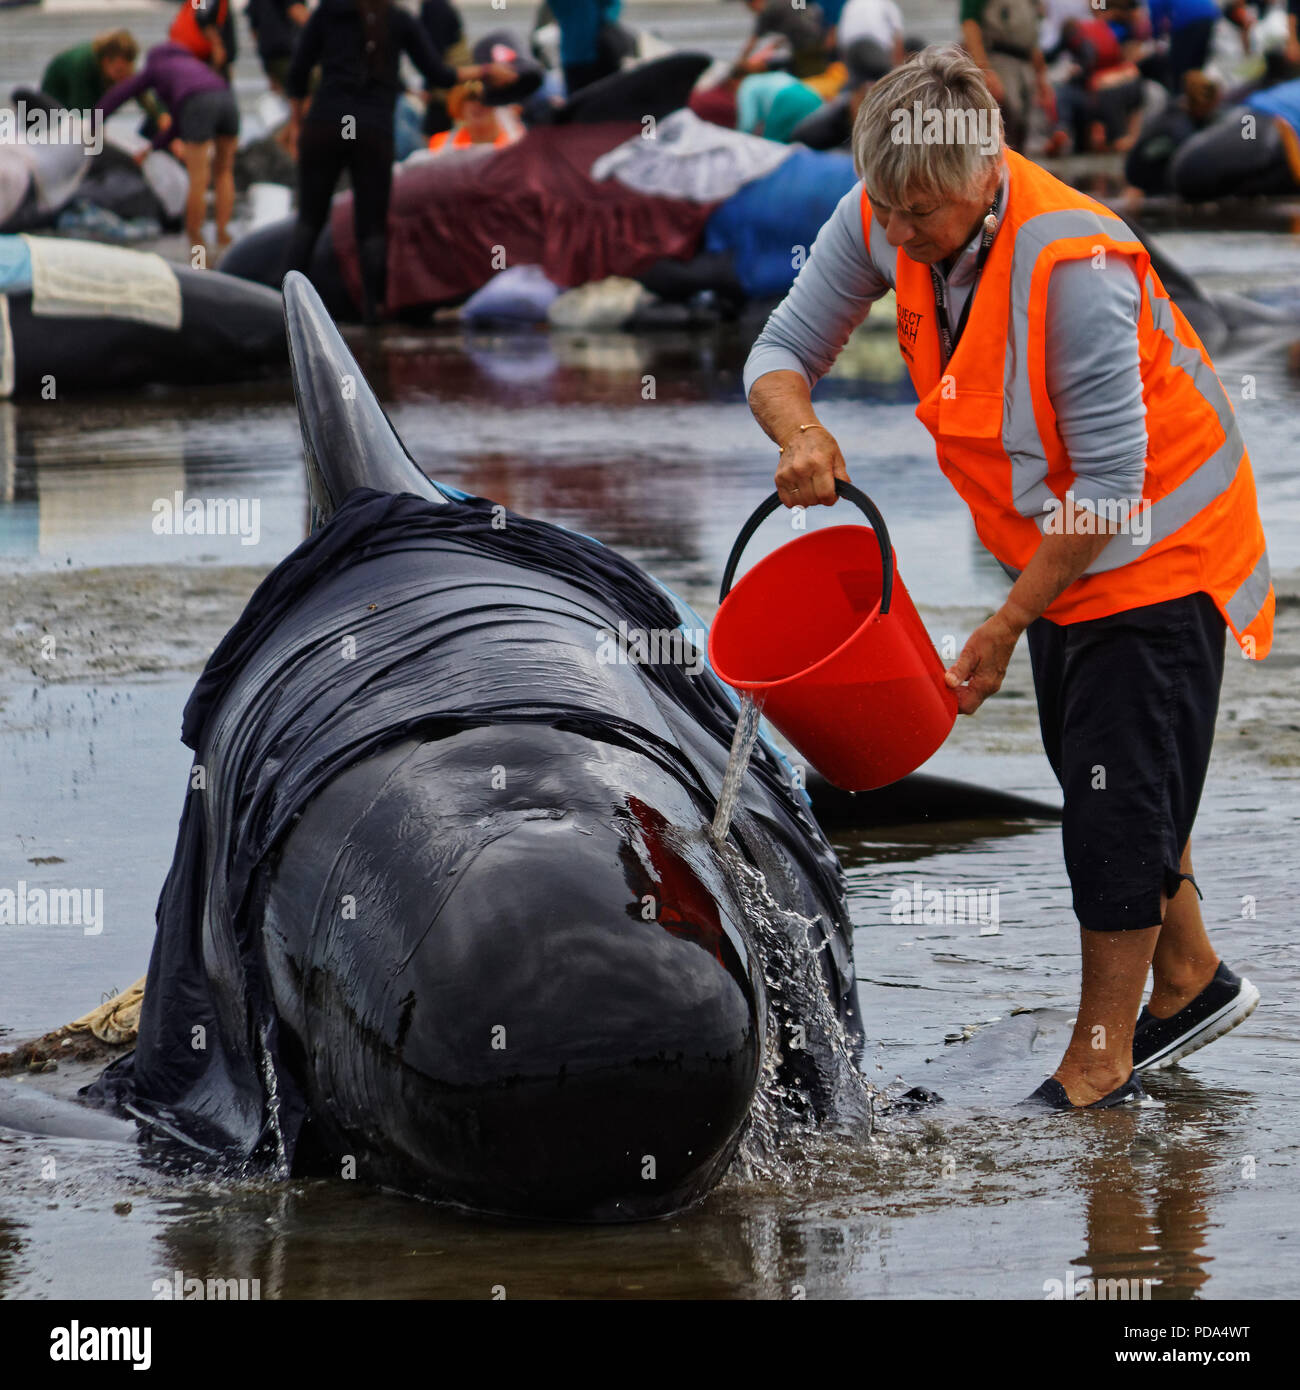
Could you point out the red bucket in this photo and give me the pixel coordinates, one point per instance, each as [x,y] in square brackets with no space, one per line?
[823,633]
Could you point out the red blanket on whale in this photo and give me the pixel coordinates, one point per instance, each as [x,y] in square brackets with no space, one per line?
[537,201]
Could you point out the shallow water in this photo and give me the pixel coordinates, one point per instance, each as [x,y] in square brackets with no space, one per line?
[972,1199]
[1198,1192]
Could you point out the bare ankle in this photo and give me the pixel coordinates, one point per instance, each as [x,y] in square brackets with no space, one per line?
[1174,989]
[1087,1079]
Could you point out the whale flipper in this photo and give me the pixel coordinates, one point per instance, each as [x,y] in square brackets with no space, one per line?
[348,441]
[30,1111]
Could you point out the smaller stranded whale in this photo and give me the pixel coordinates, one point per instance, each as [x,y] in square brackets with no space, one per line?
[79,316]
[444,912]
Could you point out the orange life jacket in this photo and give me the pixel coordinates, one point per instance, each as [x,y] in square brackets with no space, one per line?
[186,31]
[999,445]
[462,141]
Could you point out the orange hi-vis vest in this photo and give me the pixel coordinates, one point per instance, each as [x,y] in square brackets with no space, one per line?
[997,437]
[186,31]
[462,141]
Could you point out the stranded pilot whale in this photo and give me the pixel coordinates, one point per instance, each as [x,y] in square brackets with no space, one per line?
[443,912]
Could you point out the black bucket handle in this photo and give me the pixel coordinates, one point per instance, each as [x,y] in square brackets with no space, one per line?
[854,495]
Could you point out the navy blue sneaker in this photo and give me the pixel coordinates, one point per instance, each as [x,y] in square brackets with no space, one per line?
[1225,1002]
[1051,1093]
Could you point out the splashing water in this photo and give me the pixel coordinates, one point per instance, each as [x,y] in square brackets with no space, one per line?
[269,1079]
[800,1016]
[742,745]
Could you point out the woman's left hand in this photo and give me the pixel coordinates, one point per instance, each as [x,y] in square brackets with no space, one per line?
[983,663]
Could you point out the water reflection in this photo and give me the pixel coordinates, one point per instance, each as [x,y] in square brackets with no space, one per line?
[1147,1208]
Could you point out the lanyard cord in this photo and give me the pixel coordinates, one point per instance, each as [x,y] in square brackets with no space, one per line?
[948,339]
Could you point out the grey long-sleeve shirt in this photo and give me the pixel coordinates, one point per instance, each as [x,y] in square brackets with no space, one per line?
[1093,368]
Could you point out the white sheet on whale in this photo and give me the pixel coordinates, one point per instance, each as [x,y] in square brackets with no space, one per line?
[691,158]
[165,176]
[54,170]
[82,279]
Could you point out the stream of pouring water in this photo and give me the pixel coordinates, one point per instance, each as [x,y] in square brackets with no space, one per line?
[799,1009]
[742,745]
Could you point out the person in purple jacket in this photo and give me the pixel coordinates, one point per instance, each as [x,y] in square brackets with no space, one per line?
[203,116]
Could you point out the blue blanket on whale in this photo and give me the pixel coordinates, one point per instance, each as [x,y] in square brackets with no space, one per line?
[402,617]
[771,221]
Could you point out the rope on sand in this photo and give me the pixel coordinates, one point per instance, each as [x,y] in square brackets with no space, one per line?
[101,1034]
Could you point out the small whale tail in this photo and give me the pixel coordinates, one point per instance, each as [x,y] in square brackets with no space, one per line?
[348,441]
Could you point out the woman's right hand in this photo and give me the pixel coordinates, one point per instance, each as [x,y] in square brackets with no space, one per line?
[806,475]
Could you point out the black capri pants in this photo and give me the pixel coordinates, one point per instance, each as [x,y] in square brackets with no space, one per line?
[323,154]
[1127,705]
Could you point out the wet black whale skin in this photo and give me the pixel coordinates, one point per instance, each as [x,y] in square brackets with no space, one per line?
[431,821]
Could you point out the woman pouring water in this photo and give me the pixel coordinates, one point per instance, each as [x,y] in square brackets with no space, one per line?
[1081,420]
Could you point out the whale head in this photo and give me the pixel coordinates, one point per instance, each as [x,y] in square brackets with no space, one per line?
[543,1001]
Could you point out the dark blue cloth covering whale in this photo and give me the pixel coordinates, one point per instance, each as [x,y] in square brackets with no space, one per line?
[456,622]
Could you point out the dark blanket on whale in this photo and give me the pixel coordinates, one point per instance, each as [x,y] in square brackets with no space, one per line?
[537,199]
[403,617]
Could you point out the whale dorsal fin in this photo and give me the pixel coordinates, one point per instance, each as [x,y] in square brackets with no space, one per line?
[347,440]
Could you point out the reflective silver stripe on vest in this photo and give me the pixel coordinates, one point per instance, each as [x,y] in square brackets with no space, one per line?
[1020,438]
[1175,509]
[1243,607]
[1029,492]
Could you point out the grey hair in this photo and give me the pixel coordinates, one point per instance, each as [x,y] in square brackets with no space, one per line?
[930,128]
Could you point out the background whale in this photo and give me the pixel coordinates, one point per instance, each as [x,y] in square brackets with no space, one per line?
[443,912]
[227,330]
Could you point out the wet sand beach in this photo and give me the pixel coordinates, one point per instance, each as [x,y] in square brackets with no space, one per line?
[105,624]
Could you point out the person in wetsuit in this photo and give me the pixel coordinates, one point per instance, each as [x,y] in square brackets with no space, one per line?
[358,45]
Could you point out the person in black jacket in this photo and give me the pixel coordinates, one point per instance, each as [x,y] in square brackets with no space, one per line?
[275,25]
[441,20]
[442,23]
[358,45]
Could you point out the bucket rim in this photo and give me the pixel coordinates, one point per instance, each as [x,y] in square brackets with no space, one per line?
[874,616]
